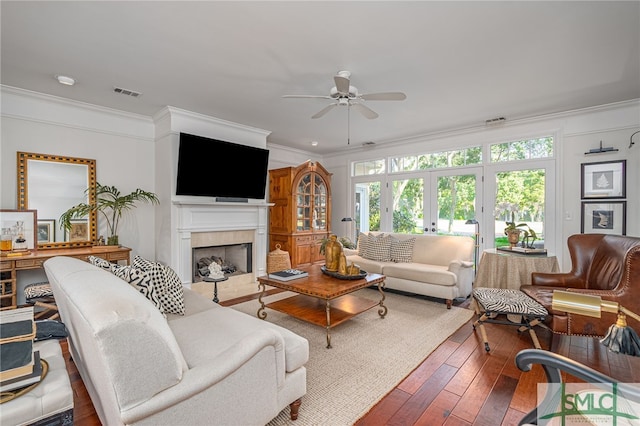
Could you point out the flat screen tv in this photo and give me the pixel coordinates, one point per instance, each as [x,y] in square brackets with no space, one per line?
[225,170]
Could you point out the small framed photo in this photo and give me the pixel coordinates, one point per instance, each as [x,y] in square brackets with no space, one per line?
[604,217]
[22,225]
[79,231]
[46,231]
[606,179]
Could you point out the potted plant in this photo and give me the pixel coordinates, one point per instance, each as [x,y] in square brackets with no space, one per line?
[512,231]
[110,203]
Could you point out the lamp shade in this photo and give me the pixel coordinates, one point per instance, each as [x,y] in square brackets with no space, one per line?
[581,304]
[346,219]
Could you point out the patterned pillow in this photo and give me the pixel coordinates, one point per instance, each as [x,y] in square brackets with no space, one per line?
[166,282]
[402,251]
[140,280]
[363,242]
[100,262]
[378,248]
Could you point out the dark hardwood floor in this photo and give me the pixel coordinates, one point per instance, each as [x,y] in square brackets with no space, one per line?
[458,384]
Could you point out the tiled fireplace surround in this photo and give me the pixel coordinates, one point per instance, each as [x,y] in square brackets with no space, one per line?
[216,224]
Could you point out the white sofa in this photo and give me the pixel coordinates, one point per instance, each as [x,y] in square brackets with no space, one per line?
[440,266]
[214,365]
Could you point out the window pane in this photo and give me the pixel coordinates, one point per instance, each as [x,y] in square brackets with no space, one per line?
[408,206]
[456,203]
[524,207]
[367,207]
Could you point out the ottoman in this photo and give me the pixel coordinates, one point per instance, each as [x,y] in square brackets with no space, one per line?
[491,303]
[51,401]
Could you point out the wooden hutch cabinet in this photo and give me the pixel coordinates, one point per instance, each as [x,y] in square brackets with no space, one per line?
[301,215]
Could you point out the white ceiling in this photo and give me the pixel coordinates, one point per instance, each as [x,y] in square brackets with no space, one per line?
[460,63]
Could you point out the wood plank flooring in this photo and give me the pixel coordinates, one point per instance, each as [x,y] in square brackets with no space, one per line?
[458,384]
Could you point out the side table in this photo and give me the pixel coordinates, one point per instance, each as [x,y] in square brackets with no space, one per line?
[498,269]
[51,401]
[215,282]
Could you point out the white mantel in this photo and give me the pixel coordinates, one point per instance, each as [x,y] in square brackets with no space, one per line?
[197,217]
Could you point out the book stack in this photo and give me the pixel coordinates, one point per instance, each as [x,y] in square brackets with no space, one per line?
[19,365]
[288,274]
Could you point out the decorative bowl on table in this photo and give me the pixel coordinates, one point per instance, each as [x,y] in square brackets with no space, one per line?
[340,276]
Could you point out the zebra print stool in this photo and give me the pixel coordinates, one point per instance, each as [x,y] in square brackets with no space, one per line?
[41,295]
[489,303]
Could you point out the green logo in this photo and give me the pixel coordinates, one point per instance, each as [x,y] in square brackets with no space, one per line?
[585,404]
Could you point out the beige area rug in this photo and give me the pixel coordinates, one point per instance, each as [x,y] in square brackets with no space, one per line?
[369,355]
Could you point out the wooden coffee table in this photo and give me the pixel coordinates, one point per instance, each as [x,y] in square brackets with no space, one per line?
[323,300]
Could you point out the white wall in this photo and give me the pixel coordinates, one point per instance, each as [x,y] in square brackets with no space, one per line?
[122,145]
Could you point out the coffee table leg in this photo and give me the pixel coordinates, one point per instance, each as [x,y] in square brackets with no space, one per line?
[328,308]
[382,311]
[262,314]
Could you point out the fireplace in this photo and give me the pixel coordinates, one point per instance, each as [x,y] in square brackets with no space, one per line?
[233,259]
[222,230]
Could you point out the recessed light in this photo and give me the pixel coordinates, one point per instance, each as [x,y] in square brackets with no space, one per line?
[63,79]
[314,143]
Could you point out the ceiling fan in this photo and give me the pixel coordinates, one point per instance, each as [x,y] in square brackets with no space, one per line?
[346,95]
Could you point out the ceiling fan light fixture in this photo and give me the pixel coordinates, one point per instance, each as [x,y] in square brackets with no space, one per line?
[67,81]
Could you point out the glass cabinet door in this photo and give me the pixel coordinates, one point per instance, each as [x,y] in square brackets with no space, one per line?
[311,203]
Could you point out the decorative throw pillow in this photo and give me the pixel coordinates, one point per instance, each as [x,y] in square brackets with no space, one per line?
[363,242]
[166,282]
[140,280]
[379,248]
[402,251]
[100,262]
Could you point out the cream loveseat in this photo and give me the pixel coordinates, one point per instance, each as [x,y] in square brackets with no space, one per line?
[438,266]
[212,365]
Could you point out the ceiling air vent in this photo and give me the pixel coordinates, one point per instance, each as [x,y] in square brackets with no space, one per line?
[370,143]
[494,121]
[127,92]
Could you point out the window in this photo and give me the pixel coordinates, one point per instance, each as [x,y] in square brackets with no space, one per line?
[522,150]
[365,168]
[436,160]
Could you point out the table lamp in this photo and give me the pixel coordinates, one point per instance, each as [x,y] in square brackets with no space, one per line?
[620,337]
[348,221]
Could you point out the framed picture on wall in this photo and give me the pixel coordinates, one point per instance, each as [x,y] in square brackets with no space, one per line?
[604,217]
[606,179]
[79,230]
[22,225]
[46,230]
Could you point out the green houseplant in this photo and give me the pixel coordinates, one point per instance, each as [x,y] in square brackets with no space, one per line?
[512,231]
[111,204]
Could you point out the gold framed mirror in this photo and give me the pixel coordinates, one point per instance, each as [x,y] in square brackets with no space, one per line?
[52,184]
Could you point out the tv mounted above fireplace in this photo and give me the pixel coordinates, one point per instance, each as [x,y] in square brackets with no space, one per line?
[214,168]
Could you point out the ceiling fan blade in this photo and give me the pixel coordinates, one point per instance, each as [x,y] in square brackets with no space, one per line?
[342,84]
[386,96]
[306,96]
[323,111]
[366,111]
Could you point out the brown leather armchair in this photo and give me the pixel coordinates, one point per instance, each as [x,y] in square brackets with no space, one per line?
[602,265]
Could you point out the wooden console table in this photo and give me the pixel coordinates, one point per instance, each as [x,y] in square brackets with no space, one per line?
[9,265]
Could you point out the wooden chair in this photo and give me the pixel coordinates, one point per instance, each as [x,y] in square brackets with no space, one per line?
[602,265]
[41,295]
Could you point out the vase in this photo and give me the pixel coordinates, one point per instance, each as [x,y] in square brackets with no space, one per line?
[113,240]
[513,236]
[332,251]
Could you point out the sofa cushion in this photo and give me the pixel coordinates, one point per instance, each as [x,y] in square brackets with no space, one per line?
[432,274]
[379,248]
[363,244]
[140,280]
[198,335]
[371,266]
[402,251]
[167,284]
[100,262]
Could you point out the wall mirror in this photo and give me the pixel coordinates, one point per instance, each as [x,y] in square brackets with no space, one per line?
[51,184]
